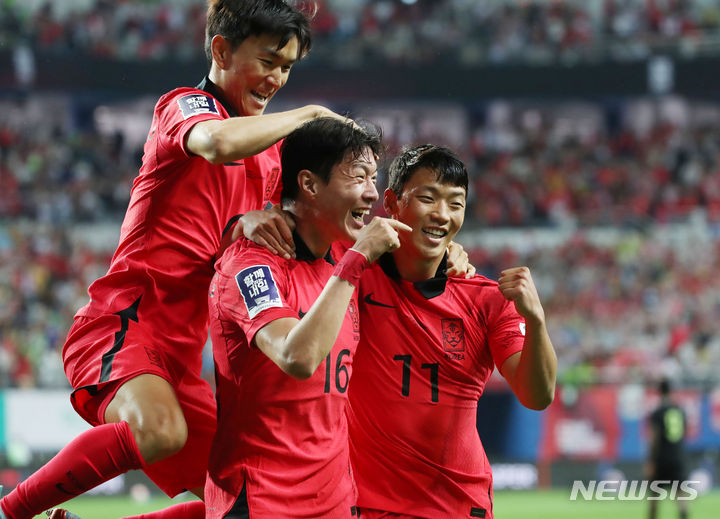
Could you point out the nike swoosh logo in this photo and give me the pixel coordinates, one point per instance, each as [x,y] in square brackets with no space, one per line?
[301,314]
[60,487]
[233,164]
[369,300]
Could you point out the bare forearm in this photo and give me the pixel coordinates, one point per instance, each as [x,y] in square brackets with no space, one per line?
[312,339]
[227,140]
[534,381]
[298,347]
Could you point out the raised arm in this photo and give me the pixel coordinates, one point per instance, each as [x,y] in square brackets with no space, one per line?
[299,346]
[531,373]
[227,140]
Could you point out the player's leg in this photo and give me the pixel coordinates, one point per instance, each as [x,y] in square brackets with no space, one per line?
[652,514]
[144,422]
[93,457]
[187,468]
[147,403]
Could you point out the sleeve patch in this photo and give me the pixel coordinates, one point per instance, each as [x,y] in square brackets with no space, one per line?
[195,104]
[522,328]
[258,289]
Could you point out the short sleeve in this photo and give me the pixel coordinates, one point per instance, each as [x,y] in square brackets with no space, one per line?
[506,331]
[256,288]
[178,112]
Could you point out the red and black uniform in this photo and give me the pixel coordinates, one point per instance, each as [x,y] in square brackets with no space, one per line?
[149,314]
[281,447]
[426,351]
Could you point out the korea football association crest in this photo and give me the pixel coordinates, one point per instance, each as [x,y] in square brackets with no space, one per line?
[258,289]
[453,334]
[195,104]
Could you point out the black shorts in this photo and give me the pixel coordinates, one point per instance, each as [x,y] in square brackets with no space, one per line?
[668,471]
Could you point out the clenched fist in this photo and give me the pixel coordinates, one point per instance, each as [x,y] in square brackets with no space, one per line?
[516,285]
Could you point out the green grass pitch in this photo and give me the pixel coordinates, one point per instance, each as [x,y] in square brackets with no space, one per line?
[546,504]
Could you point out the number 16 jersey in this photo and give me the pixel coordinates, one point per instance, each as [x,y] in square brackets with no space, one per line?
[284,439]
[426,351]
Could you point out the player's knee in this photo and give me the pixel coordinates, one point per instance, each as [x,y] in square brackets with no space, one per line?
[161,435]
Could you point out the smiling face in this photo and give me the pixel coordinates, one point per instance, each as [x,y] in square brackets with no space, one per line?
[253,72]
[341,204]
[433,209]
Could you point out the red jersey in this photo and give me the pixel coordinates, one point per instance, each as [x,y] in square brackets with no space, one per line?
[284,439]
[426,351]
[179,206]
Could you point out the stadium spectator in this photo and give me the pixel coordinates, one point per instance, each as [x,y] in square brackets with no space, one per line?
[359,33]
[133,355]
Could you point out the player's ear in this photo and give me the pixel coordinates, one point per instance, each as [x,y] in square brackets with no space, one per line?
[221,50]
[307,182]
[390,202]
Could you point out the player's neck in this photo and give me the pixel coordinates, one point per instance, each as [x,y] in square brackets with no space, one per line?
[311,227]
[314,237]
[413,267]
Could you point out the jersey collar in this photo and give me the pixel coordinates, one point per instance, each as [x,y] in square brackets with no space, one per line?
[303,252]
[212,89]
[429,288]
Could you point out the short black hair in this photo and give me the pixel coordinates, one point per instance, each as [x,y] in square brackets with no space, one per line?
[235,20]
[319,145]
[446,164]
[664,387]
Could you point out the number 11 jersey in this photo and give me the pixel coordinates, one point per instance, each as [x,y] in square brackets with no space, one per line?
[426,351]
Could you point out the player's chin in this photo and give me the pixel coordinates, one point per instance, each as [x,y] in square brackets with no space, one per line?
[431,250]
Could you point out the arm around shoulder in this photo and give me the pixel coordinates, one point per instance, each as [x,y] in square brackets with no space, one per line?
[226,140]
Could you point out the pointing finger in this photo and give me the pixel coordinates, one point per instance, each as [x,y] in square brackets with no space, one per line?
[399,226]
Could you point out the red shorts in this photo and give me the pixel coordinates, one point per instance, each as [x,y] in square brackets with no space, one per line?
[99,357]
[367,513]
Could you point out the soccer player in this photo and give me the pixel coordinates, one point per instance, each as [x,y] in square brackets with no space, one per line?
[666,456]
[428,345]
[133,354]
[281,445]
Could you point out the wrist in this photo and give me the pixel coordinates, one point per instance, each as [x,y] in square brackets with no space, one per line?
[351,267]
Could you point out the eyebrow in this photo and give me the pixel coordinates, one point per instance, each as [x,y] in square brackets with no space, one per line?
[366,165]
[272,52]
[457,191]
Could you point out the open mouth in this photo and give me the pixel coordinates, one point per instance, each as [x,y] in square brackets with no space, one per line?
[358,215]
[261,98]
[435,233]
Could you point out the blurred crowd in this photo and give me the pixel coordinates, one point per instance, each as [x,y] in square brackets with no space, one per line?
[632,310]
[617,308]
[398,31]
[610,179]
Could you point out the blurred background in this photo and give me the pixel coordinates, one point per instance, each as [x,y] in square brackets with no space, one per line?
[591,130]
